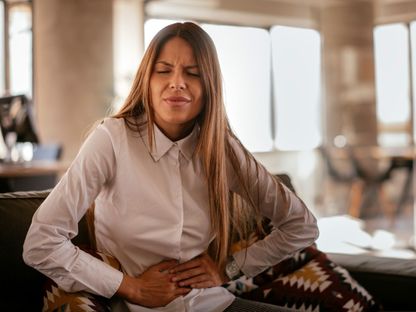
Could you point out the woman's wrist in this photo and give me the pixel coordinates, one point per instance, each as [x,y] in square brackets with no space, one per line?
[128,289]
[232,269]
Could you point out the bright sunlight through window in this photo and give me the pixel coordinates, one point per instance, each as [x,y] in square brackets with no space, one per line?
[245,63]
[413,52]
[20,32]
[297,87]
[392,73]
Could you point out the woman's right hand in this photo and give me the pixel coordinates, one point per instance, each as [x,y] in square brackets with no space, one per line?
[153,288]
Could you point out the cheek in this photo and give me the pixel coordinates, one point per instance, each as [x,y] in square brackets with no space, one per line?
[155,92]
[198,93]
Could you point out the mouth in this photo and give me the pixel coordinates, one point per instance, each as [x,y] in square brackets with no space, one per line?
[177,100]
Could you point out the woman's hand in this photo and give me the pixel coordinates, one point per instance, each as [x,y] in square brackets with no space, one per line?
[200,272]
[153,288]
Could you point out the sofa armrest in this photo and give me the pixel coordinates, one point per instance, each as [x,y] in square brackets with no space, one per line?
[16,212]
[390,280]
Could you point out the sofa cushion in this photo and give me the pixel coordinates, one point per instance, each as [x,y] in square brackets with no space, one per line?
[16,211]
[391,280]
[56,299]
[308,281]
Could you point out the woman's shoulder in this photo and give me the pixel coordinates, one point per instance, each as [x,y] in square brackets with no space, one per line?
[112,125]
[112,122]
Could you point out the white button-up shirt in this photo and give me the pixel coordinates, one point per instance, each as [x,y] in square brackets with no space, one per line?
[150,206]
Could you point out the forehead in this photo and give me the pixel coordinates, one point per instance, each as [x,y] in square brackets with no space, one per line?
[175,50]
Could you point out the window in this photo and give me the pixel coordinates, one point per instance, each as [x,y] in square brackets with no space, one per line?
[245,63]
[127,47]
[297,90]
[2,55]
[16,68]
[20,49]
[413,58]
[391,46]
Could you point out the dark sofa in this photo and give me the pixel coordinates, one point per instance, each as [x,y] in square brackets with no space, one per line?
[392,282]
[22,285]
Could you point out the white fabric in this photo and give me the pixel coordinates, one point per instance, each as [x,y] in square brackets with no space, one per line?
[149,206]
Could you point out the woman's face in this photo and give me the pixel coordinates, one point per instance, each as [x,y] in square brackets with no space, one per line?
[176,89]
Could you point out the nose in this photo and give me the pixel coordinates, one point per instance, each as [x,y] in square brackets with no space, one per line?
[177,81]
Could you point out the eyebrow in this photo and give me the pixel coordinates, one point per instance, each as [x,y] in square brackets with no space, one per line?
[170,65]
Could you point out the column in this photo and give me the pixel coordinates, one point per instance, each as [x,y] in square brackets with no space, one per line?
[348,71]
[73,68]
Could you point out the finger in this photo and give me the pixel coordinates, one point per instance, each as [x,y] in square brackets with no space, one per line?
[206,284]
[194,280]
[187,274]
[165,265]
[181,291]
[185,266]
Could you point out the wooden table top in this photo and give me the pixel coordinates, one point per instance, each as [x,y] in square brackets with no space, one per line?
[32,168]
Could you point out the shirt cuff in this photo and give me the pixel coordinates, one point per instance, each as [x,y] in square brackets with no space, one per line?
[100,277]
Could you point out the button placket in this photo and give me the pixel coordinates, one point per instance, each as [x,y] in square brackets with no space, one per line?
[178,190]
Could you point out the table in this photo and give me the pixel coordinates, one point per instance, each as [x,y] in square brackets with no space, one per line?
[32,175]
[32,168]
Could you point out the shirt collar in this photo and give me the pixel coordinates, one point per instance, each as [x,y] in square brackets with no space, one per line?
[162,144]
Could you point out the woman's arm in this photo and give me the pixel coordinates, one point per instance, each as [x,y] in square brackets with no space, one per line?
[48,246]
[294,226]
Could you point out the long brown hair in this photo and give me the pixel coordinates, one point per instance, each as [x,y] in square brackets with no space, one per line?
[214,149]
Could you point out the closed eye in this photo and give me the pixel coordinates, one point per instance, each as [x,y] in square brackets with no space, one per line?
[193,74]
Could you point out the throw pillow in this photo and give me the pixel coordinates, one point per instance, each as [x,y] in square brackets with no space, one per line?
[56,299]
[308,281]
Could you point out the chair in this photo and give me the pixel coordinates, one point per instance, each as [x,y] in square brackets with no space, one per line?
[344,174]
[373,180]
[406,194]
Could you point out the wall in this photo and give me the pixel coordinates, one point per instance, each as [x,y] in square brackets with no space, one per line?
[73,68]
[348,71]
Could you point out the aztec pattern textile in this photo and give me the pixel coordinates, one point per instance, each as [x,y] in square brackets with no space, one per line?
[309,281]
[58,300]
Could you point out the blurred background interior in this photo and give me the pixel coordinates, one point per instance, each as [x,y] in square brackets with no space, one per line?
[323,90]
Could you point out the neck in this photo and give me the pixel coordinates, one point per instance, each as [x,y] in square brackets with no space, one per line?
[178,132]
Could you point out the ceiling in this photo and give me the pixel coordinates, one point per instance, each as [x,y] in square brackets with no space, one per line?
[260,13]
[263,13]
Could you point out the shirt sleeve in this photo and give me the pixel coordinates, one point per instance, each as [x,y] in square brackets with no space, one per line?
[294,226]
[48,247]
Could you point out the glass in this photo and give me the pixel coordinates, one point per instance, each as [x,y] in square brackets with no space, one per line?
[2,56]
[391,48]
[297,87]
[20,49]
[127,47]
[245,64]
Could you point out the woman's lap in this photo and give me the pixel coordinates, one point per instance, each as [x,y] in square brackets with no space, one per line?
[243,305]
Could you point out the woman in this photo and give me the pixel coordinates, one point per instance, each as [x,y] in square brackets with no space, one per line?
[173,188]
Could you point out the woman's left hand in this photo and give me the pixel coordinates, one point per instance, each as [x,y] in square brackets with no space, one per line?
[199,272]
